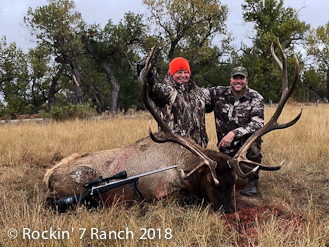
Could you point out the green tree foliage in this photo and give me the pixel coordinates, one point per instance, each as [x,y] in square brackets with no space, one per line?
[57,27]
[14,79]
[73,63]
[116,49]
[96,62]
[43,84]
[314,81]
[187,29]
[271,21]
[317,47]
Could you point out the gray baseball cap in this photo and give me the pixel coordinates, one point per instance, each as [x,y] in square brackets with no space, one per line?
[239,71]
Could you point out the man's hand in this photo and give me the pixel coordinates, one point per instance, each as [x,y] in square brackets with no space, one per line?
[226,140]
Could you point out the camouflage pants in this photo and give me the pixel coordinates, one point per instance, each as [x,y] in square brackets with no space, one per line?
[254,153]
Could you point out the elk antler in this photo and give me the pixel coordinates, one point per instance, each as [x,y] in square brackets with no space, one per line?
[272,124]
[170,136]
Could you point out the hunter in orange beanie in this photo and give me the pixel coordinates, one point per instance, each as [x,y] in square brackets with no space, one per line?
[177,64]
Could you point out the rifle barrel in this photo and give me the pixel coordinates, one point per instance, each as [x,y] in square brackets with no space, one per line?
[123,181]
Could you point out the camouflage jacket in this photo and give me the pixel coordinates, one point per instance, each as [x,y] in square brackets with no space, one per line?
[243,115]
[182,107]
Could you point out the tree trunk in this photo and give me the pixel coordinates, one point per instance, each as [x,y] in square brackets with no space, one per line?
[172,49]
[52,90]
[328,92]
[318,94]
[35,100]
[71,66]
[76,82]
[115,87]
[327,86]
[36,108]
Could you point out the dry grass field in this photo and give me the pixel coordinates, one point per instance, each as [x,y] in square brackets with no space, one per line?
[292,208]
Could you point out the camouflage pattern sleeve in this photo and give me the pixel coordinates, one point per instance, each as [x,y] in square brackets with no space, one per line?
[243,115]
[256,118]
[182,107]
[207,99]
[162,94]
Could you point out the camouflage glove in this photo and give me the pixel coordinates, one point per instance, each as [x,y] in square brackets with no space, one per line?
[140,67]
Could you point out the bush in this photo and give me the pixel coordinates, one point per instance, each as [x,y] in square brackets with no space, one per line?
[70,111]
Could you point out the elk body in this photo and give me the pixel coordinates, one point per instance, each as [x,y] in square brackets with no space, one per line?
[68,176]
[211,175]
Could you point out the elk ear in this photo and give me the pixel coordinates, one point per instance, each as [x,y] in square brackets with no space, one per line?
[202,163]
[153,136]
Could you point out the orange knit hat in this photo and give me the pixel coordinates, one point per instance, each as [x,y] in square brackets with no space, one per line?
[179,63]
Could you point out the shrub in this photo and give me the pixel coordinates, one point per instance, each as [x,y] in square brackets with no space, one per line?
[70,111]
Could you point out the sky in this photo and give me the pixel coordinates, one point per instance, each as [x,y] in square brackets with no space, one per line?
[12,12]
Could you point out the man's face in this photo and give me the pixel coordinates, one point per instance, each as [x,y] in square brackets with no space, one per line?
[181,76]
[238,84]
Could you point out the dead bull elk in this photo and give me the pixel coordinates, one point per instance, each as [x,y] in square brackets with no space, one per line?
[210,174]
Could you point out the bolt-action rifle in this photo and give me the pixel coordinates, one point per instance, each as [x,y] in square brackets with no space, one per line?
[95,189]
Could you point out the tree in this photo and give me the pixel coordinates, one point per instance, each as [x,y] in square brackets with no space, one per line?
[317,47]
[14,79]
[57,27]
[116,49]
[314,80]
[44,77]
[85,55]
[271,21]
[187,29]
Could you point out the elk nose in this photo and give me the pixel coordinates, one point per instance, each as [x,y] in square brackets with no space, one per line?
[229,210]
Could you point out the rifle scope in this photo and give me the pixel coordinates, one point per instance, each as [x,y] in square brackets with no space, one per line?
[120,175]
